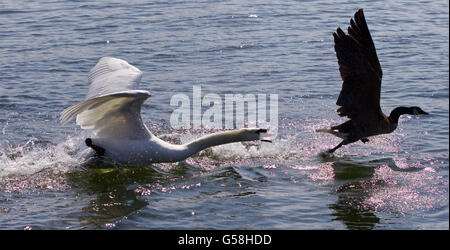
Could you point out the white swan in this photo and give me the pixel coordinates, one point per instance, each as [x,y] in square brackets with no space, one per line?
[112,109]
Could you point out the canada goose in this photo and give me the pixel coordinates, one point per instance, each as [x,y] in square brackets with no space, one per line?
[360,94]
[112,108]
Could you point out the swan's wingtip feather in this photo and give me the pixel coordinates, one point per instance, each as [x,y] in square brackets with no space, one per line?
[65,116]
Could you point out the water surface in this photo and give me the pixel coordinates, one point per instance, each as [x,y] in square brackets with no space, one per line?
[396,181]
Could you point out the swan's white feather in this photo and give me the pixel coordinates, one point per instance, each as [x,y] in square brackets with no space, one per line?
[112,105]
[112,75]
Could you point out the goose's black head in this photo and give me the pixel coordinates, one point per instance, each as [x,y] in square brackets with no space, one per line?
[397,112]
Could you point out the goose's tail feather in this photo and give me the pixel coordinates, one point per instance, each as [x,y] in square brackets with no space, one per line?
[325,130]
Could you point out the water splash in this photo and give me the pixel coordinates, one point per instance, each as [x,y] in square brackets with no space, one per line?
[32,157]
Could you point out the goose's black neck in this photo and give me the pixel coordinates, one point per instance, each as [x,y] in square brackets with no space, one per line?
[397,112]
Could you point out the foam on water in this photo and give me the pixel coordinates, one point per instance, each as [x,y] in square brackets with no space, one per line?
[33,167]
[32,158]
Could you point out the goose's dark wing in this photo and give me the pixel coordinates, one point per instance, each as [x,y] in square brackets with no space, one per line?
[360,70]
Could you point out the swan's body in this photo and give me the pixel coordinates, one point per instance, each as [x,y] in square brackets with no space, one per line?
[359,98]
[112,110]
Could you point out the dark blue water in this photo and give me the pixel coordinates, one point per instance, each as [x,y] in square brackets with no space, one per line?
[396,181]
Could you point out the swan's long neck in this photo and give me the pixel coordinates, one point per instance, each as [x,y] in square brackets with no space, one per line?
[212,140]
[167,152]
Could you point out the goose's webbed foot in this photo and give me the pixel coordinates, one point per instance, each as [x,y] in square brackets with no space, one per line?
[330,151]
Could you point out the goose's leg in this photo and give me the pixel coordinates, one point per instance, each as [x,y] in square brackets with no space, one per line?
[338,146]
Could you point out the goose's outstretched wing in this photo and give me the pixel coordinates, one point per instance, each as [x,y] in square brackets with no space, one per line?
[112,107]
[360,70]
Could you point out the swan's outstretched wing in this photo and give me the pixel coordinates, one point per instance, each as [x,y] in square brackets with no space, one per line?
[112,107]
